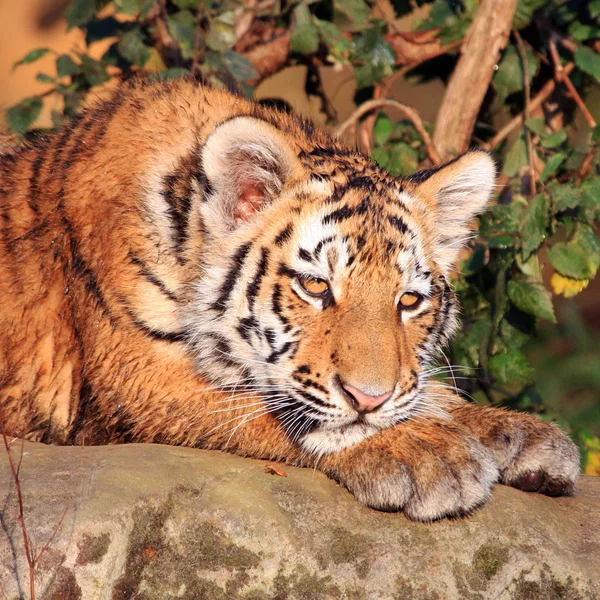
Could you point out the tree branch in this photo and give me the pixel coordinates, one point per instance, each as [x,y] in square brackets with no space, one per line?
[486,37]
[408,111]
[518,121]
[564,78]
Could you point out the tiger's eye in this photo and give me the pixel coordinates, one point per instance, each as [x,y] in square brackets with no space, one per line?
[410,301]
[314,286]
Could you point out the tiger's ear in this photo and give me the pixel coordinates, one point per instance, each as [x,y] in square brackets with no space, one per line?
[452,196]
[246,162]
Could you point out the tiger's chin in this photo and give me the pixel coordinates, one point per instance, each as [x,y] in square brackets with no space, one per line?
[326,440]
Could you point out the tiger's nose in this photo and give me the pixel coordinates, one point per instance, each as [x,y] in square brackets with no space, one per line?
[362,402]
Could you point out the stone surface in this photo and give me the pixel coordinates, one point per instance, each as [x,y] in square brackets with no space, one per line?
[157,522]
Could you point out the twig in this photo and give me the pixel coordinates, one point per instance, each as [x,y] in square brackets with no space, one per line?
[564,78]
[535,103]
[408,111]
[527,94]
[21,517]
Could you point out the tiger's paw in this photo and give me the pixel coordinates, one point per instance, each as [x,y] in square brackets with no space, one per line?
[545,461]
[426,481]
[533,455]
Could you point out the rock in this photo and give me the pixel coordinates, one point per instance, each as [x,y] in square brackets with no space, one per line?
[157,522]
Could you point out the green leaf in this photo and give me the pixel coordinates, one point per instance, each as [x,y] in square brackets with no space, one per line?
[191,4]
[590,204]
[173,73]
[536,124]
[404,160]
[93,71]
[595,137]
[509,76]
[381,156]
[239,66]
[580,257]
[32,56]
[454,31]
[477,334]
[382,129]
[476,261]
[21,116]
[552,166]
[554,139]
[332,37]
[305,39]
[510,367]
[583,31]
[516,157]
[588,61]
[66,66]
[501,218]
[377,57]
[531,297]
[594,8]
[133,7]
[564,196]
[44,78]
[525,11]
[356,10]
[533,225]
[516,328]
[79,12]
[132,48]
[182,26]
[221,36]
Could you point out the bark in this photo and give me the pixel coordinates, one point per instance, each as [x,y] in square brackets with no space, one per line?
[466,90]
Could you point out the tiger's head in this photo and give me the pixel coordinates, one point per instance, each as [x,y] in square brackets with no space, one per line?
[325,283]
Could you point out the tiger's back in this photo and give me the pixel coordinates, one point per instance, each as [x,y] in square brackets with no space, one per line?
[98,253]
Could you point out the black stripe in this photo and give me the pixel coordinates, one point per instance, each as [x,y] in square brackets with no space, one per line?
[276,304]
[277,354]
[150,277]
[156,334]
[308,396]
[305,255]
[227,287]
[254,285]
[398,223]
[346,212]
[321,243]
[246,326]
[285,235]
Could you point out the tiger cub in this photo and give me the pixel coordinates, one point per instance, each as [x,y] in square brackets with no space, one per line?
[182,266]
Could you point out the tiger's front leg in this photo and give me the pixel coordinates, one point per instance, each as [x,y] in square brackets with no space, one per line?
[532,455]
[429,470]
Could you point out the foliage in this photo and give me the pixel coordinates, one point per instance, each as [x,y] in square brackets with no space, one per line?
[548,226]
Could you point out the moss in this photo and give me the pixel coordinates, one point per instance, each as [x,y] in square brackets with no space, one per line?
[302,584]
[92,548]
[346,547]
[63,586]
[405,590]
[145,544]
[208,547]
[547,588]
[489,559]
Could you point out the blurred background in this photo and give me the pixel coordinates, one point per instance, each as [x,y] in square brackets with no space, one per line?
[324,59]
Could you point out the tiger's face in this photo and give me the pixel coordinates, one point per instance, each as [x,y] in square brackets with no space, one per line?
[325,288]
